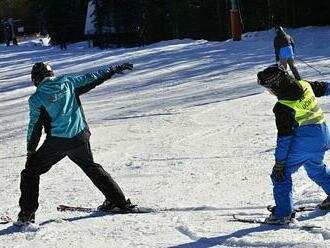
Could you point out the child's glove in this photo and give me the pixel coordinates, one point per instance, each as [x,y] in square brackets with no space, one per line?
[278,171]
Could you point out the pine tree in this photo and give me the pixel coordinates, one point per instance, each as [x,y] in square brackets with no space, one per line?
[61,19]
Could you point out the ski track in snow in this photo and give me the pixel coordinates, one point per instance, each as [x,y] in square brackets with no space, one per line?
[188,132]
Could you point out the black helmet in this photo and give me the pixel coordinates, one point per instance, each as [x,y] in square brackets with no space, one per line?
[272,76]
[39,71]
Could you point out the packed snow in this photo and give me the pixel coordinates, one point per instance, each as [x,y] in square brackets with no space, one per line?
[188,132]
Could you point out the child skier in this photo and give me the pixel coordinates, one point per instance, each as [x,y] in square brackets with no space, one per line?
[56,106]
[284,47]
[302,137]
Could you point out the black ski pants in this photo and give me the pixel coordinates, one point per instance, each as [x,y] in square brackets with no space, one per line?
[52,151]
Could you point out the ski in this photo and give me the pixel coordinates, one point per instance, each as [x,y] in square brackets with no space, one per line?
[299,209]
[4,219]
[256,220]
[134,210]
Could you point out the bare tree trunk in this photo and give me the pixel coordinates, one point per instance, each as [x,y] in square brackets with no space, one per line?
[293,8]
[286,12]
[270,14]
[220,24]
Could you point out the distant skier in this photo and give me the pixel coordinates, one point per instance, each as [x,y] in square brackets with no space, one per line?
[8,33]
[56,106]
[62,38]
[302,137]
[284,50]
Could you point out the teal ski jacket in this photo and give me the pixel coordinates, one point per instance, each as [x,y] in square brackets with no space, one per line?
[56,106]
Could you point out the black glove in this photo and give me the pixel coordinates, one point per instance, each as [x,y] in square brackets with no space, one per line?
[278,171]
[120,68]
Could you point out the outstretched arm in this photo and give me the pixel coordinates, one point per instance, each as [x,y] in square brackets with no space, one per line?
[89,81]
[320,88]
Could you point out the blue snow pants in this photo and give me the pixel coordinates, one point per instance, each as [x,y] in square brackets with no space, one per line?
[316,170]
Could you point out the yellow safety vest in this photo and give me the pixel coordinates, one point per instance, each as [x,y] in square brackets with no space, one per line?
[306,108]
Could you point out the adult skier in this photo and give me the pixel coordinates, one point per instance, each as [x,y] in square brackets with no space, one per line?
[284,50]
[56,107]
[302,137]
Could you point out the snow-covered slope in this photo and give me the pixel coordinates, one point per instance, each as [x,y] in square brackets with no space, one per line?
[188,129]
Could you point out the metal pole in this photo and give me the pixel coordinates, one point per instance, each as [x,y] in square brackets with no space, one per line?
[309,65]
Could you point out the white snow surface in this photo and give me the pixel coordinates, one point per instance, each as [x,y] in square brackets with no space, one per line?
[188,130]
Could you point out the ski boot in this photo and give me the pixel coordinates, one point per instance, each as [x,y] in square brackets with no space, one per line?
[272,219]
[25,219]
[325,205]
[110,206]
